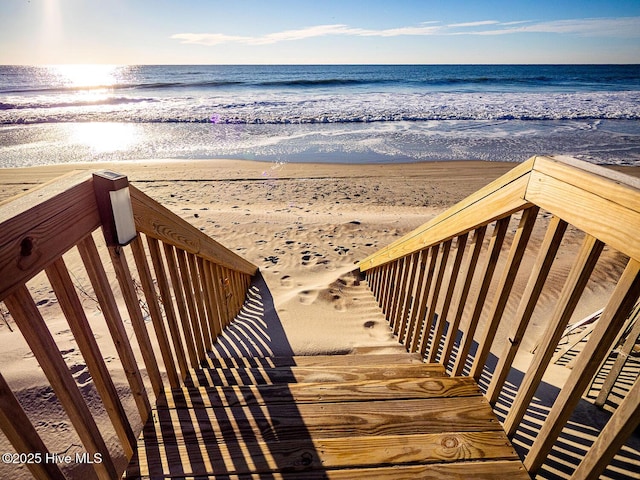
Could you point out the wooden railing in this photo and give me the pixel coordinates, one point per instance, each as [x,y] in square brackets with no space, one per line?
[187,285]
[442,300]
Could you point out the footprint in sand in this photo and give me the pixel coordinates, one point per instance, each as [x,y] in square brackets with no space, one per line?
[286,281]
[307,297]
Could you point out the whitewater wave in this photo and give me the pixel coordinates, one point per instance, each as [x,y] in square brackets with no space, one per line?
[299,108]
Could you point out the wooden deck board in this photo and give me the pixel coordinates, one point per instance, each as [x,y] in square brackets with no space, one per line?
[316,360]
[331,453]
[239,395]
[321,419]
[293,374]
[331,420]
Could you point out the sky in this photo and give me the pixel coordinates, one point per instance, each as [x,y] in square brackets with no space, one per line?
[318,32]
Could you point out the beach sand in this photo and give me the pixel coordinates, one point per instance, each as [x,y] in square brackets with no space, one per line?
[305,226]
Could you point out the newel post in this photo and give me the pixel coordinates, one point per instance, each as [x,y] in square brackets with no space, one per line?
[114,205]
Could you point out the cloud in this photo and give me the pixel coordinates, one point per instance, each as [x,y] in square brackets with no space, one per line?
[612,27]
[603,27]
[474,24]
[426,28]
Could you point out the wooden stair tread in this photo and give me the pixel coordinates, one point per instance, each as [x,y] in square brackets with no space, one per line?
[307,419]
[331,453]
[390,389]
[330,420]
[490,470]
[209,377]
[315,360]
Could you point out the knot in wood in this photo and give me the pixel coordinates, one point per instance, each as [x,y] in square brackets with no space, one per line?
[450,442]
[305,460]
[26,246]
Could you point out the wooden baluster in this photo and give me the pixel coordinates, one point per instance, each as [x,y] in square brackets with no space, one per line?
[503,289]
[119,261]
[219,283]
[205,303]
[226,293]
[165,294]
[390,289]
[621,359]
[71,306]
[460,247]
[215,304]
[494,250]
[179,289]
[231,292]
[238,293]
[385,282]
[102,288]
[23,436]
[219,297]
[589,360]
[571,292]
[142,265]
[435,296]
[421,268]
[621,425]
[35,331]
[410,302]
[371,277]
[535,284]
[401,295]
[190,284]
[449,342]
[424,300]
[378,281]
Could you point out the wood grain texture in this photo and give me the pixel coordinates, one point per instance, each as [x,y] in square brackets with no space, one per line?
[40,340]
[486,470]
[292,421]
[316,360]
[395,427]
[614,224]
[329,453]
[322,392]
[41,226]
[265,376]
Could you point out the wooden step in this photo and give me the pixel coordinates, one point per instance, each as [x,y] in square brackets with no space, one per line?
[325,419]
[392,389]
[211,377]
[365,452]
[315,360]
[292,421]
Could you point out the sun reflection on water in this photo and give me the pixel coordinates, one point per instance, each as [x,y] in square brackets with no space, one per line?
[105,137]
[87,75]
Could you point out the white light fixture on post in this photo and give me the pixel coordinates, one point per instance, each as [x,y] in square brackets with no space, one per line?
[114,204]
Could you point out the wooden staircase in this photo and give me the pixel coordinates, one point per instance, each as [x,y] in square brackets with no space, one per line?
[333,417]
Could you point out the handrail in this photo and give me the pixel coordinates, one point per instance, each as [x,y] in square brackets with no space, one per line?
[427,299]
[553,183]
[187,284]
[155,220]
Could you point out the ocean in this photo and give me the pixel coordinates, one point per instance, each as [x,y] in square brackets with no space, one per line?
[322,113]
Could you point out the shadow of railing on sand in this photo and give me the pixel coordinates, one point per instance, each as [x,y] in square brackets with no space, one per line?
[257,330]
[582,429]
